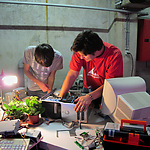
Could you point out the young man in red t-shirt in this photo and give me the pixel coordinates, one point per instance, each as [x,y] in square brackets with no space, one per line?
[100,60]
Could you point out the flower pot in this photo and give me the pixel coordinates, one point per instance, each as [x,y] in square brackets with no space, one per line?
[34,119]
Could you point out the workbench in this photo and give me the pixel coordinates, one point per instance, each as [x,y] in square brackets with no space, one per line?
[56,136]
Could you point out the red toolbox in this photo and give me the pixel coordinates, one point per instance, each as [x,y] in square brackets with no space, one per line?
[135,136]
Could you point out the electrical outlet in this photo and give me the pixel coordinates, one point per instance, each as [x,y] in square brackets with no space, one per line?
[127,52]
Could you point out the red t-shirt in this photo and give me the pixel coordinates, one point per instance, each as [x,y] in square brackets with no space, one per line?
[108,65]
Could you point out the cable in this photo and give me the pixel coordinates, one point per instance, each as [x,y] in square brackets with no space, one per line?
[35,144]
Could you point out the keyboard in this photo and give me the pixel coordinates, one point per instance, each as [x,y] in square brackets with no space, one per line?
[14,144]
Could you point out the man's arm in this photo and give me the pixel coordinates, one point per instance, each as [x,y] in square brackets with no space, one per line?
[51,80]
[42,85]
[68,82]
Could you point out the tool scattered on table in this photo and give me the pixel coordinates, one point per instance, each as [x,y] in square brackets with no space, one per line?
[88,141]
[48,121]
[71,132]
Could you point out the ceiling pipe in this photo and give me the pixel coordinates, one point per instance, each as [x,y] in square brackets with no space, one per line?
[71,6]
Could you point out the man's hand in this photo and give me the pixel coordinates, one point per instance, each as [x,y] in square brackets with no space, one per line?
[49,91]
[83,103]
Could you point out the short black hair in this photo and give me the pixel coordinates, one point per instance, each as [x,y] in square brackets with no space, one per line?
[88,42]
[44,54]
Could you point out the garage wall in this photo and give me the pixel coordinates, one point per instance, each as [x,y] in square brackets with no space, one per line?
[24,25]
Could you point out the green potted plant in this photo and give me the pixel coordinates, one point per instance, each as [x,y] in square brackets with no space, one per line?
[15,109]
[33,108]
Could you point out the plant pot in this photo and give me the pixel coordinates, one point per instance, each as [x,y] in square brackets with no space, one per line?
[34,119]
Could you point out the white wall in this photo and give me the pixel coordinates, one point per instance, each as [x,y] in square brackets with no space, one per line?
[64,24]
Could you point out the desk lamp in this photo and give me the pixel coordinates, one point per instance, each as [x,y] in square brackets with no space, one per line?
[6,80]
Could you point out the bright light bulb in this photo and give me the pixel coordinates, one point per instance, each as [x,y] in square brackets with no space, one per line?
[10,80]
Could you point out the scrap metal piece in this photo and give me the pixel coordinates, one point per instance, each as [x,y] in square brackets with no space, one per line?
[71,132]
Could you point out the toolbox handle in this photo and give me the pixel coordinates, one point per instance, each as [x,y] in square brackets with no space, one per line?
[133,122]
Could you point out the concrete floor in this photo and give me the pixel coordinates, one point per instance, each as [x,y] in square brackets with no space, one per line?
[143,70]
